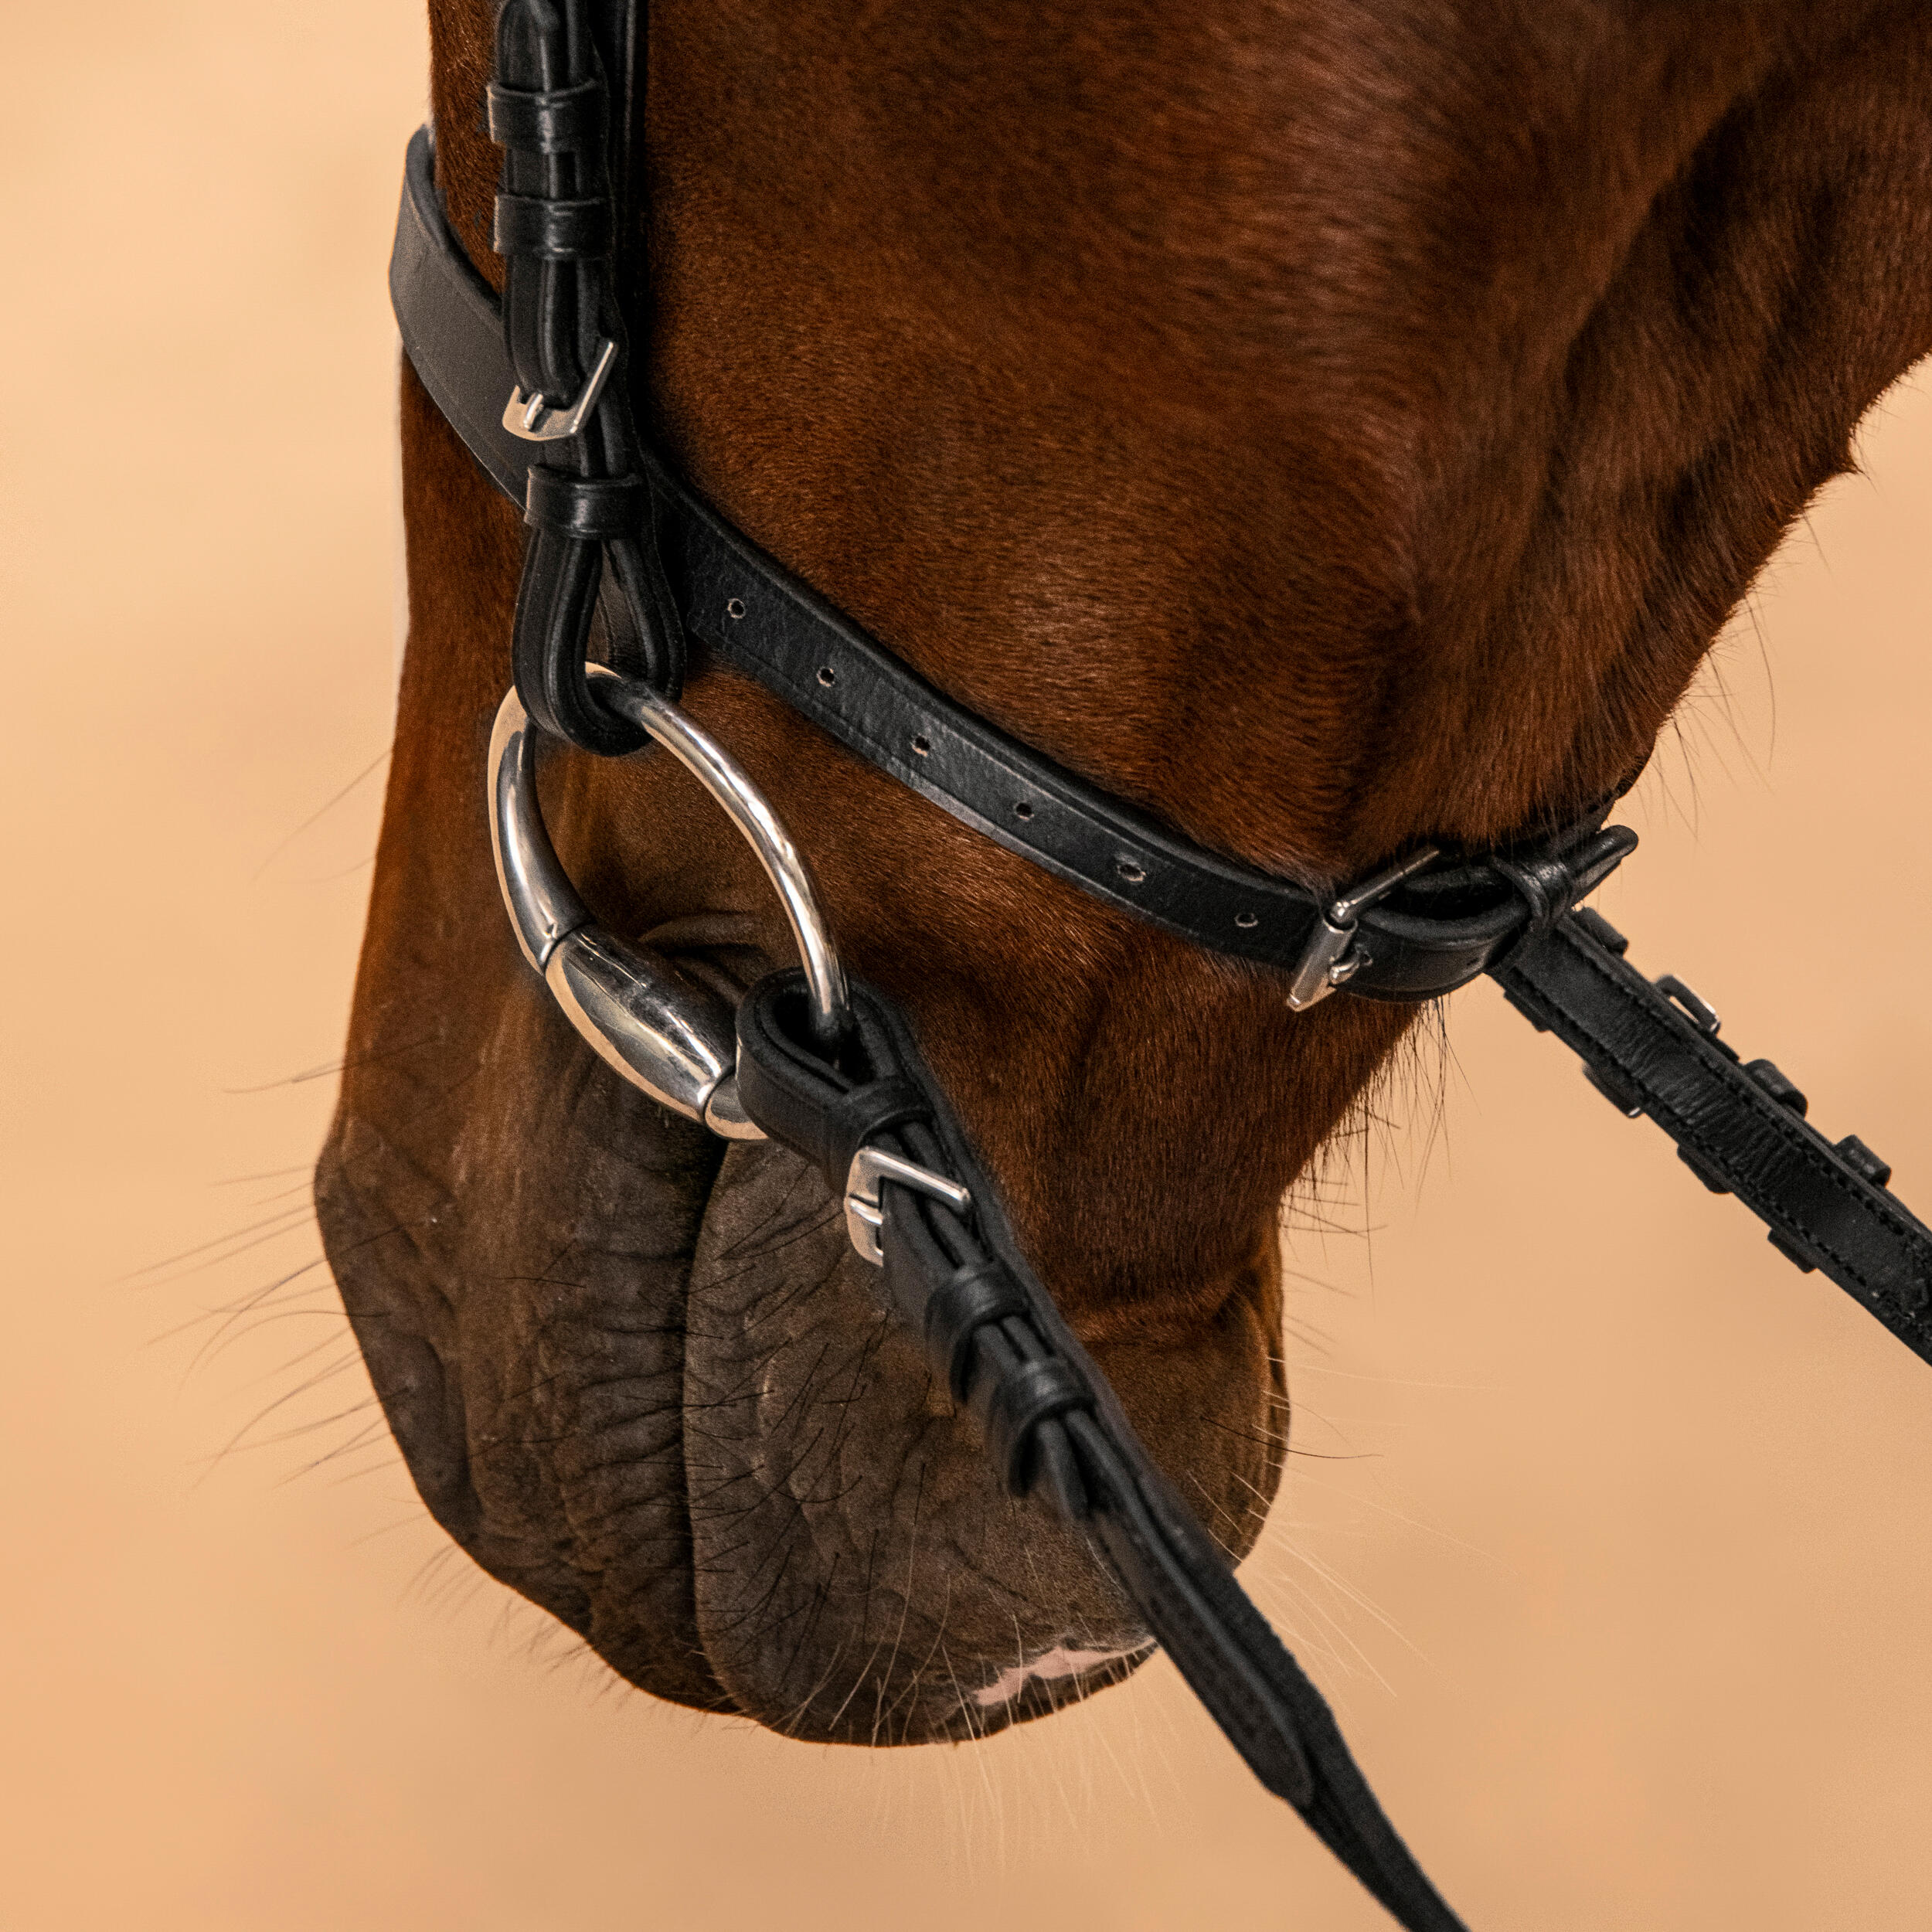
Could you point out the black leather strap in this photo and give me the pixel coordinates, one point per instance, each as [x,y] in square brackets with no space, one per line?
[1054,1426]
[1436,933]
[554,120]
[1652,1048]
[561,318]
[666,561]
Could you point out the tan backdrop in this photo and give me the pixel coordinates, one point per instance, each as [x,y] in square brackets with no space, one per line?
[1610,1534]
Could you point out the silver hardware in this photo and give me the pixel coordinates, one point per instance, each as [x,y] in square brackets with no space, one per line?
[543,905]
[865,1216]
[537,421]
[644,1018]
[1698,1010]
[1329,960]
[675,1039]
[746,806]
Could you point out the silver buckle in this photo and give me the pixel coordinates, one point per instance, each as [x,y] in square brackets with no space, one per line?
[1330,960]
[864,1214]
[535,421]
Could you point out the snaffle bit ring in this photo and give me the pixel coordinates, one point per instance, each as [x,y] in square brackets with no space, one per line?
[675,1039]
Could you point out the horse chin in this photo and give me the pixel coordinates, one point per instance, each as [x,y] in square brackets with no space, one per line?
[653,1389]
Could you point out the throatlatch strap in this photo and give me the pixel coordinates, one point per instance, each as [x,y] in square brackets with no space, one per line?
[1051,1421]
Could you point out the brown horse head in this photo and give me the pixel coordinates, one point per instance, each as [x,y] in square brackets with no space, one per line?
[1323,425]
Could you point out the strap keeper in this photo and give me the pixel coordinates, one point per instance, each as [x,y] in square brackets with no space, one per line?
[957,1309]
[850,1121]
[594,508]
[1549,885]
[1544,885]
[535,226]
[1019,1402]
[549,121]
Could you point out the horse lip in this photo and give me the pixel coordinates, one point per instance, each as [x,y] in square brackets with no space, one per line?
[1063,1661]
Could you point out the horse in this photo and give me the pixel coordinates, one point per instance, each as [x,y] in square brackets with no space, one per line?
[1327,428]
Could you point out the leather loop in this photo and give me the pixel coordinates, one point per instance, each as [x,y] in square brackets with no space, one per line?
[554,602]
[554,120]
[957,1309]
[1550,883]
[863,1114]
[1016,1403]
[588,509]
[1546,886]
[540,229]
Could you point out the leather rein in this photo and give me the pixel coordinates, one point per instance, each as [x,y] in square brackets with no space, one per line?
[536,386]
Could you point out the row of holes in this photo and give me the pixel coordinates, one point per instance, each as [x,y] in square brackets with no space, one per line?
[1130,873]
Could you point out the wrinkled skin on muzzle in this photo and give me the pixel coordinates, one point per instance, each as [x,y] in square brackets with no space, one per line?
[646,1381]
[1322,426]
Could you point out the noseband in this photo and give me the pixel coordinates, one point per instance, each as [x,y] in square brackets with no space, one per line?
[833,1070]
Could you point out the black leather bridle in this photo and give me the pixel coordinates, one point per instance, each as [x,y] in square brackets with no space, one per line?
[620,545]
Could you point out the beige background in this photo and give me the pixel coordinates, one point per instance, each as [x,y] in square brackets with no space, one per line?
[1610,1535]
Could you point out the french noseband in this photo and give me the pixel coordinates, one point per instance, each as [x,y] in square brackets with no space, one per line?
[536,385]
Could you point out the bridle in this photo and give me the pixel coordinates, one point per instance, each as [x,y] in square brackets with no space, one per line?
[620,545]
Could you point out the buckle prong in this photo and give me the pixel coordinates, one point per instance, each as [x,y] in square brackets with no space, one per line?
[536,421]
[865,1213]
[1330,959]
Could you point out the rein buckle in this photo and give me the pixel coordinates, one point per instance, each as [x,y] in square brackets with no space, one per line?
[537,421]
[865,1213]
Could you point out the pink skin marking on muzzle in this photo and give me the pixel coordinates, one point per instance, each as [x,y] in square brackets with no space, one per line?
[1060,1662]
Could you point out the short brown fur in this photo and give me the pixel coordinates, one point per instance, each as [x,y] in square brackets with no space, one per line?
[1322,424]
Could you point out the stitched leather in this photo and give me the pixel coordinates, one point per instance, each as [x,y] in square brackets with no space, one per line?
[1056,1429]
[555,227]
[1741,1129]
[552,231]
[1436,934]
